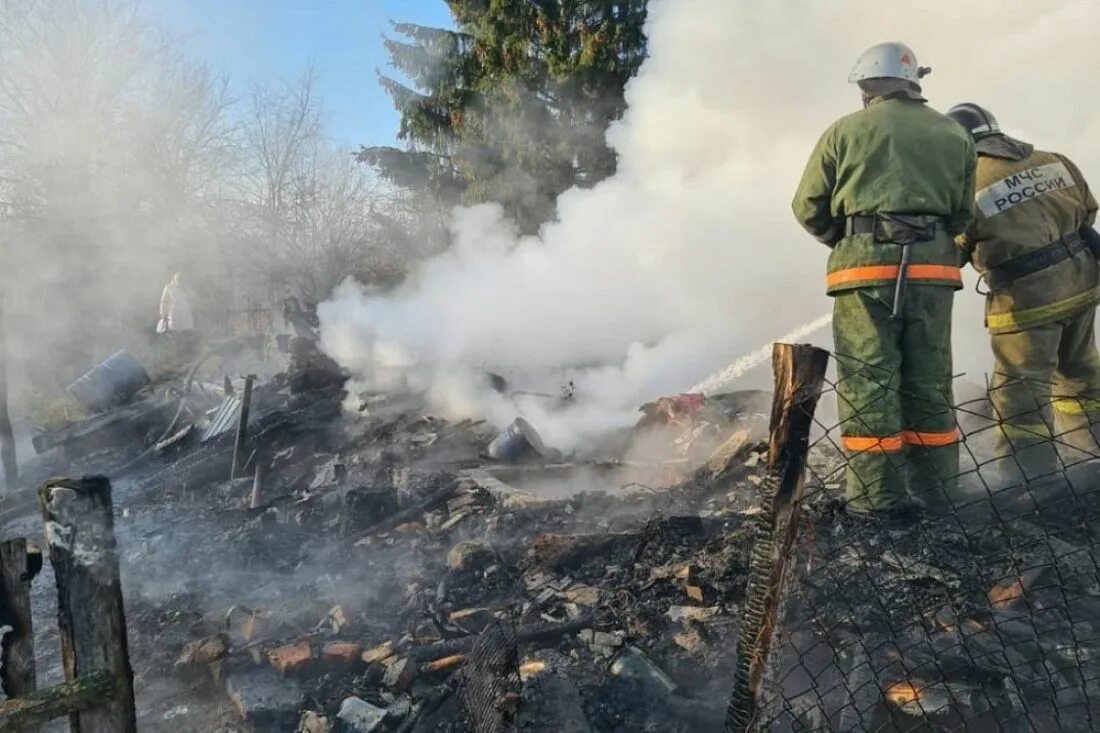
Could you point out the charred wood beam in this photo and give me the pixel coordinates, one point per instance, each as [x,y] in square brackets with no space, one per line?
[799,377]
[430,704]
[69,698]
[111,428]
[414,511]
[242,427]
[540,633]
[17,568]
[91,620]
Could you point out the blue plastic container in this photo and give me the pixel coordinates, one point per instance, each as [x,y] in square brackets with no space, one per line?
[110,383]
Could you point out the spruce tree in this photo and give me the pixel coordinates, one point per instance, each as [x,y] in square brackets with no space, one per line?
[513,105]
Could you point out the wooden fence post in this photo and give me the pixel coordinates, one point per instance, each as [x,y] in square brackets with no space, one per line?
[17,569]
[242,428]
[799,377]
[91,620]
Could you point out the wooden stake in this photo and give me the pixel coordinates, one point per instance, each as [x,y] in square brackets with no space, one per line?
[17,652]
[242,428]
[91,620]
[799,377]
[7,437]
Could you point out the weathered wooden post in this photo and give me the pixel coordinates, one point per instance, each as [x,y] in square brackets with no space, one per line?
[7,437]
[17,568]
[242,428]
[91,620]
[799,376]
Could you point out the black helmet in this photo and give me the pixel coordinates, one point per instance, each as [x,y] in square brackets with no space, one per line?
[978,121]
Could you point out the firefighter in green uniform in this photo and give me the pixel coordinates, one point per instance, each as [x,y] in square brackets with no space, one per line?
[887,189]
[1030,240]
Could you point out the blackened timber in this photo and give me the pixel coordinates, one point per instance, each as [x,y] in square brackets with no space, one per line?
[535,634]
[434,501]
[17,674]
[25,713]
[242,427]
[91,620]
[799,372]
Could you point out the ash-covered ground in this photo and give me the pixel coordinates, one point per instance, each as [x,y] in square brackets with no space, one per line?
[383,542]
[385,574]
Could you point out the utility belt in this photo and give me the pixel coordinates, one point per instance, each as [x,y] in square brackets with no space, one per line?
[900,229]
[903,229]
[1060,250]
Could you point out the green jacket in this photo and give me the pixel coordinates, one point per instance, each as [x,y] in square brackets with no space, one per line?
[896,156]
[1027,199]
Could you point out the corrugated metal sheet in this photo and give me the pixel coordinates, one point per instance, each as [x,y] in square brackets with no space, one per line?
[226,417]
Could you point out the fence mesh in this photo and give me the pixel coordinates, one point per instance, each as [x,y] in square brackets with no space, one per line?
[490,685]
[981,615]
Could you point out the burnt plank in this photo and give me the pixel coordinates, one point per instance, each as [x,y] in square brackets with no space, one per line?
[241,441]
[799,371]
[17,651]
[91,620]
[26,713]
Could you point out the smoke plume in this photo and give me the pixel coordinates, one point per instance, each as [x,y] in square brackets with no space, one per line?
[688,257]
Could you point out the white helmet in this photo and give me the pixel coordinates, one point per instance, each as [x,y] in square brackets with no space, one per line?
[888,61]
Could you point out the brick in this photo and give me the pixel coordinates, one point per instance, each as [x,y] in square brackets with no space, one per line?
[290,658]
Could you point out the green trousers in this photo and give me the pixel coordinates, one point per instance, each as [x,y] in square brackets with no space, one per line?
[1046,391]
[894,395]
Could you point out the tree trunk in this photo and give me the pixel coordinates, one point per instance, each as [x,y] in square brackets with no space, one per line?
[91,621]
[7,437]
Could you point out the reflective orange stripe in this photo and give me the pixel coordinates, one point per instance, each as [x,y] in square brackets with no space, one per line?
[932,440]
[935,272]
[854,444]
[890,272]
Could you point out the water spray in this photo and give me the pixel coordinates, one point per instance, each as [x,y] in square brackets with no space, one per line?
[721,380]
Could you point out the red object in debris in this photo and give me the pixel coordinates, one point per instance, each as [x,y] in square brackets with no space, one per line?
[340,652]
[289,658]
[684,408]
[680,410]
[1011,593]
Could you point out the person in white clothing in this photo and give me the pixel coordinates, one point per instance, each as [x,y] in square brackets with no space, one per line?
[175,307]
[177,320]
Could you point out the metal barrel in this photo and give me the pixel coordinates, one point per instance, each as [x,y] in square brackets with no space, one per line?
[520,437]
[110,383]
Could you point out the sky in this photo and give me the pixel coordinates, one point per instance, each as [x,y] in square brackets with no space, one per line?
[257,41]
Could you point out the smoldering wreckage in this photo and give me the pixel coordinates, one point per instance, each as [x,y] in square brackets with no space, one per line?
[297,558]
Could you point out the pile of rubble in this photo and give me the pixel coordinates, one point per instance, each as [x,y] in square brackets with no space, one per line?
[384,569]
[402,548]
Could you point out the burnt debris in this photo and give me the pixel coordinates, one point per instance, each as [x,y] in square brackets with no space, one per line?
[385,570]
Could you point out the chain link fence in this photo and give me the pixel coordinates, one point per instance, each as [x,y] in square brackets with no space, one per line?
[981,614]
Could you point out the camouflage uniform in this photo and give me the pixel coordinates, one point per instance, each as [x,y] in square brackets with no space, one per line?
[895,158]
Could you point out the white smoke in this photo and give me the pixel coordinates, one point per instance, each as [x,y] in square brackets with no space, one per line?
[688,257]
